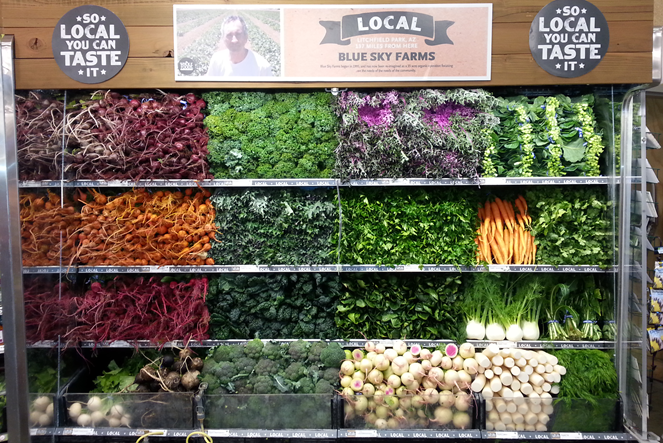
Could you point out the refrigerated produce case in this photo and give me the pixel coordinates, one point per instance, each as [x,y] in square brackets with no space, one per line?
[624,183]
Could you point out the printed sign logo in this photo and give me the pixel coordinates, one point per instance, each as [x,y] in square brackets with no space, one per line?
[569,38]
[388,22]
[90,44]
[186,66]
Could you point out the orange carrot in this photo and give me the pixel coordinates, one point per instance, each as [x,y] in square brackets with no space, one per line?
[522,200]
[520,221]
[521,207]
[516,247]
[498,217]
[504,213]
[481,214]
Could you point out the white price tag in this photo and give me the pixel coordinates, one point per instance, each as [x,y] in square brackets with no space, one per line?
[498,268]
[218,433]
[506,344]
[82,431]
[570,436]
[506,435]
[366,433]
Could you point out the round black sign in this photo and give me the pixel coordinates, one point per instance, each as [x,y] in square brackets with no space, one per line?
[90,44]
[569,38]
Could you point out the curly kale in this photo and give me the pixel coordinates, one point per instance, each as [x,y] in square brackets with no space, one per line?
[295,371]
[253,349]
[245,365]
[262,384]
[315,350]
[225,371]
[266,367]
[298,350]
[332,356]
[323,387]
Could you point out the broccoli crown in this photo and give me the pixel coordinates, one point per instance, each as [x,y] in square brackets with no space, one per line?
[298,350]
[305,386]
[315,350]
[211,380]
[243,386]
[236,352]
[209,366]
[331,375]
[222,353]
[262,384]
[295,371]
[245,365]
[253,349]
[323,387]
[272,351]
[225,371]
[266,367]
[332,356]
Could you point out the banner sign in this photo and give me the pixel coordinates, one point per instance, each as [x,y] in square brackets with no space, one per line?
[569,38]
[90,44]
[450,42]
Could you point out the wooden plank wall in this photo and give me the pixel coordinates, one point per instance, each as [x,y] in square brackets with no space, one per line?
[150,27]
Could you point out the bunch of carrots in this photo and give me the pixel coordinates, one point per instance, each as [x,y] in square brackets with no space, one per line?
[504,235]
[47,228]
[140,228]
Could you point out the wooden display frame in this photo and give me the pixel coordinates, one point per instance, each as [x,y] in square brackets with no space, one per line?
[150,63]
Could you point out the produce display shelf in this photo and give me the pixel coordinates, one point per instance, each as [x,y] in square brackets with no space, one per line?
[224,269]
[410,433]
[266,433]
[306,182]
[506,435]
[542,344]
[110,432]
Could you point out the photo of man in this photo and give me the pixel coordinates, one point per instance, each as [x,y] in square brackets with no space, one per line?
[236,60]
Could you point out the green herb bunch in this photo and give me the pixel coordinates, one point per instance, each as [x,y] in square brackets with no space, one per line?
[274,226]
[546,136]
[399,306]
[273,306]
[409,226]
[572,226]
[270,135]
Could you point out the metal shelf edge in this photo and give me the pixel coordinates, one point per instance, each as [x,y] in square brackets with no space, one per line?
[410,433]
[507,435]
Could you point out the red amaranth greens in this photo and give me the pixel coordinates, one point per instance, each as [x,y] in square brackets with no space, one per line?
[142,309]
[116,137]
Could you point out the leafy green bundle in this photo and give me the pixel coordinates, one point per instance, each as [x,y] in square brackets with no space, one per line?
[270,135]
[399,306]
[546,136]
[571,226]
[280,226]
[273,306]
[409,226]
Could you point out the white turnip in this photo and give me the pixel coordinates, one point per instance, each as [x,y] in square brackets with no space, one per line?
[462,420]
[443,416]
[447,399]
[400,347]
[399,365]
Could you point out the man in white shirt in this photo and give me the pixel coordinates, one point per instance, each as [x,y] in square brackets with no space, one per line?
[236,60]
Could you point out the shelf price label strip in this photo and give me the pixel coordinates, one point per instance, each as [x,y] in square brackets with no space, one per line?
[502,435]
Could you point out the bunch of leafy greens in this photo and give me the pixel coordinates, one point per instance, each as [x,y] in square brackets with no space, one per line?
[400,306]
[588,392]
[409,226]
[572,226]
[43,370]
[273,306]
[280,226]
[118,378]
[270,135]
[507,157]
[423,133]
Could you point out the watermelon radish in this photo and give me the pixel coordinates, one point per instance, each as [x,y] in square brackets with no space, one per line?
[451,350]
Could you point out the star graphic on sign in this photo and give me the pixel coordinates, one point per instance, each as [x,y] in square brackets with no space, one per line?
[78,19]
[559,11]
[103,72]
[103,18]
[558,66]
[80,72]
[582,66]
[583,10]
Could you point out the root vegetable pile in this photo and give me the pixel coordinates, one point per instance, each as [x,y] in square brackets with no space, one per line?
[399,388]
[140,228]
[48,308]
[518,386]
[113,137]
[41,411]
[47,229]
[504,235]
[142,308]
[39,123]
